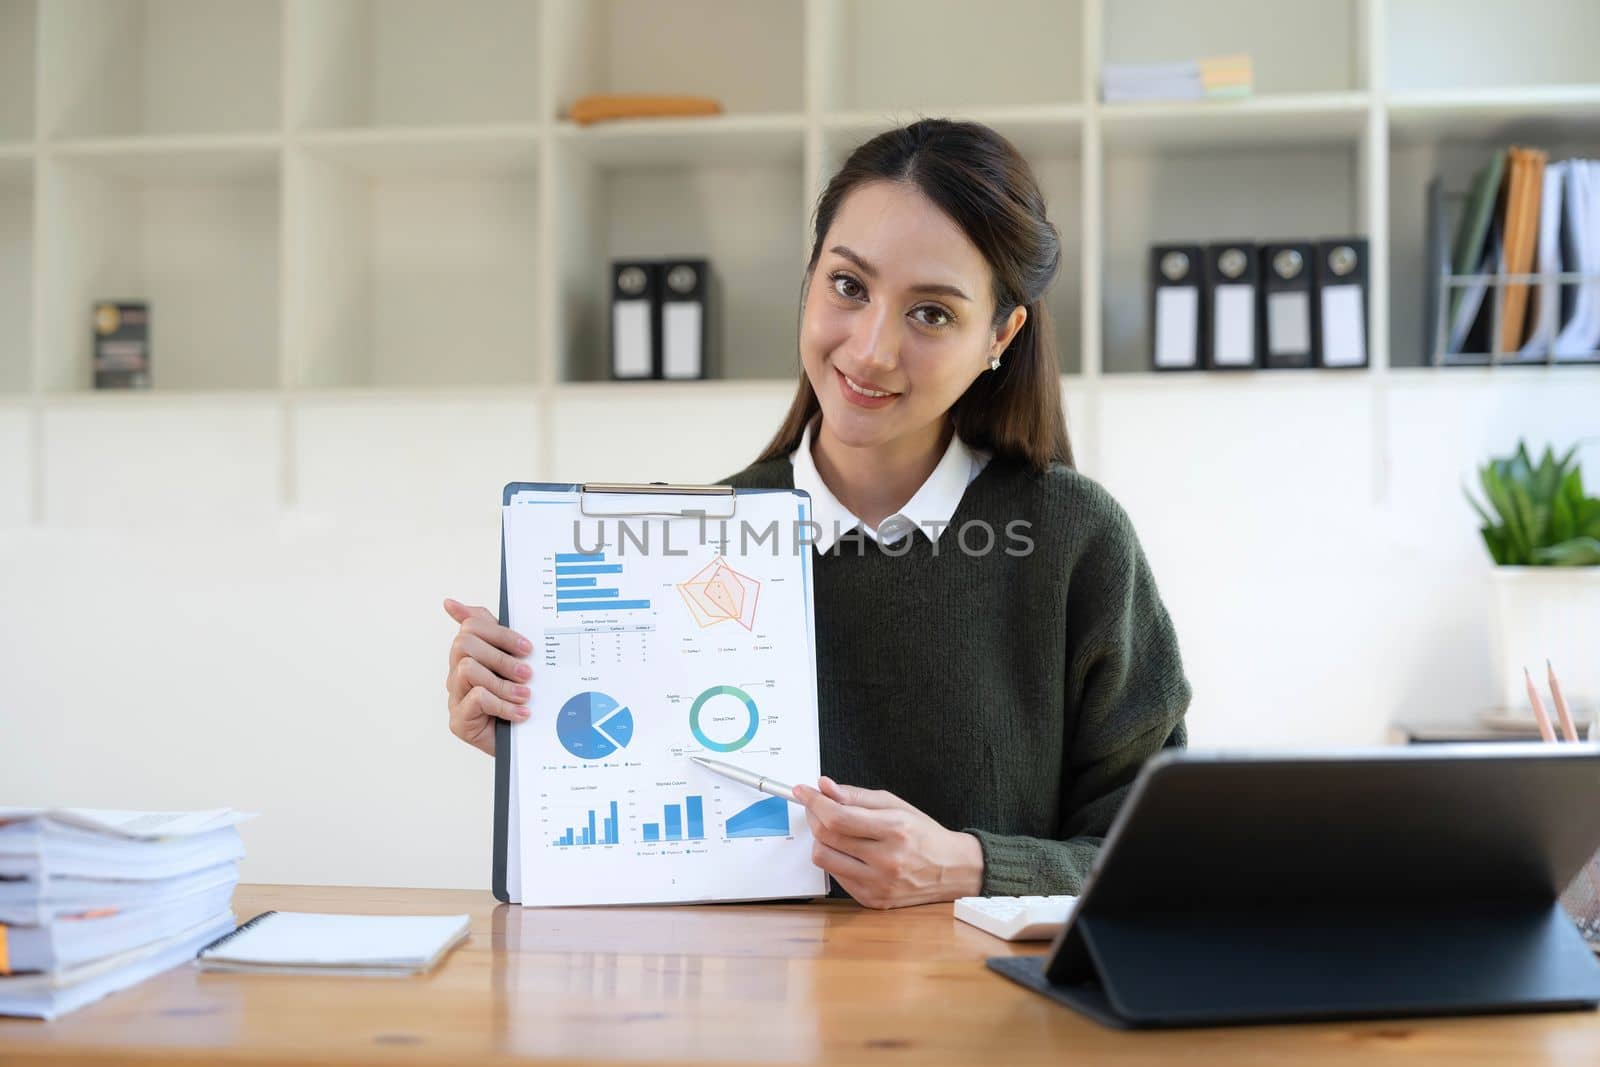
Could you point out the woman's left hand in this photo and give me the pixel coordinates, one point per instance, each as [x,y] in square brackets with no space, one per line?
[885,852]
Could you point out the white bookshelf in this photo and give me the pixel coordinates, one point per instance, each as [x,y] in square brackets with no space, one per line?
[351,202]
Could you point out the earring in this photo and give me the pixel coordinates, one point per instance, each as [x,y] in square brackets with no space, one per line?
[994,364]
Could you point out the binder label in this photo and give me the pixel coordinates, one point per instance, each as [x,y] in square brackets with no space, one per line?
[1344,341]
[1288,324]
[1177,313]
[1233,339]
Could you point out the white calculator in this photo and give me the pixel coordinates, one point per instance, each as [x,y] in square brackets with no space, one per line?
[1016,918]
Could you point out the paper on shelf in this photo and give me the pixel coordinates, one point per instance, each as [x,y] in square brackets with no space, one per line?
[1580,336]
[1547,315]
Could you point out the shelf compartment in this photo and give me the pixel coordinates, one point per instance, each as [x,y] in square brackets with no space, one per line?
[735,201]
[364,63]
[918,55]
[16,275]
[1311,118]
[1261,194]
[155,67]
[413,263]
[1437,44]
[751,63]
[193,232]
[1295,46]
[1412,166]
[19,20]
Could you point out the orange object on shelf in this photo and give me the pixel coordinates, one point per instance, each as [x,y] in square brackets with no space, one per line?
[604,107]
[1524,189]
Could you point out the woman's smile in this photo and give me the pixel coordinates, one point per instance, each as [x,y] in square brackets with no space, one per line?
[862,393]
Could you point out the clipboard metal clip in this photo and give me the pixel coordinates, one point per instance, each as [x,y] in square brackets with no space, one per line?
[717,492]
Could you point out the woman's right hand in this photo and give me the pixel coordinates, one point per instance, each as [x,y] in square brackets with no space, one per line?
[488,677]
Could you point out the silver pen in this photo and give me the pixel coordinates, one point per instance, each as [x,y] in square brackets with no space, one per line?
[769,786]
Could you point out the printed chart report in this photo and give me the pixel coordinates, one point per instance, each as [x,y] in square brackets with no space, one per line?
[657,638]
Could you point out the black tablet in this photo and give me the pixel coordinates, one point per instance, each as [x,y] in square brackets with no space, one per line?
[1252,888]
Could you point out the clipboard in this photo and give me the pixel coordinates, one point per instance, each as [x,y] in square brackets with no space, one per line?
[594,499]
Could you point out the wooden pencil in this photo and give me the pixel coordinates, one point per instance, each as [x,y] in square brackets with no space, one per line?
[1539,714]
[1569,729]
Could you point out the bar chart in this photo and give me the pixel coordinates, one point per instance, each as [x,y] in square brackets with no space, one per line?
[578,588]
[585,835]
[673,821]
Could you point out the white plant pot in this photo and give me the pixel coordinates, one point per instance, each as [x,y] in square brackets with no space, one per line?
[1548,613]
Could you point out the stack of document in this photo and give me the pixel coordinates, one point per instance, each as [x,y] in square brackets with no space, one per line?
[1531,230]
[94,901]
[1219,77]
[1570,244]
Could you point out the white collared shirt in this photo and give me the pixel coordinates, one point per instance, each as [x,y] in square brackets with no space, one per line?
[931,507]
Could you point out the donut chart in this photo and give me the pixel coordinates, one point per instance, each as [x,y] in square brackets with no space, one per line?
[724,691]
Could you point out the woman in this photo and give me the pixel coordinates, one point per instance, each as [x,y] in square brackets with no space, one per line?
[994,662]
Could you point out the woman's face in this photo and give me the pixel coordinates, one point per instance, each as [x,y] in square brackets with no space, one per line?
[897,316]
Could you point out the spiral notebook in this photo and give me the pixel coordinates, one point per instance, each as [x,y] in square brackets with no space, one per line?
[286,942]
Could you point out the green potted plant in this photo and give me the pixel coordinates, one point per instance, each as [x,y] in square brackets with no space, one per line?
[1543,532]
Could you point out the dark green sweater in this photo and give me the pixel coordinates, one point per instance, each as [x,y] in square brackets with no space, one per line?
[1014,696]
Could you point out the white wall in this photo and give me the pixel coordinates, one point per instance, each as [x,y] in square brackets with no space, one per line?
[1324,586]
[171,637]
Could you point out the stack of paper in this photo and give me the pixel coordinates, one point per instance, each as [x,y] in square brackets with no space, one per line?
[1218,77]
[1532,231]
[93,901]
[1579,337]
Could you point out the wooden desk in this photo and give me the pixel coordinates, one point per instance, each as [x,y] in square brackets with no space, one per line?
[805,983]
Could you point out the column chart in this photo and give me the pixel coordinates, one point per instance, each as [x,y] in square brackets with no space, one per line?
[585,835]
[674,822]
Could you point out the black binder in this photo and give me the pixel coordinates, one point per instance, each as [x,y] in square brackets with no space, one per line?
[1279,888]
[1288,320]
[1232,281]
[1342,302]
[635,320]
[685,318]
[1178,332]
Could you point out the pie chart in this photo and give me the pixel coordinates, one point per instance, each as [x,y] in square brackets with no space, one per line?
[593,725]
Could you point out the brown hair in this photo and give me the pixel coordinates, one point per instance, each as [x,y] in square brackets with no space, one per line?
[983,184]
